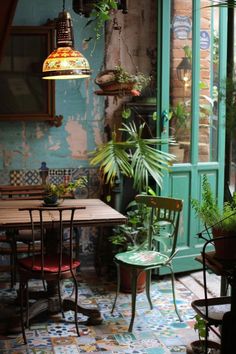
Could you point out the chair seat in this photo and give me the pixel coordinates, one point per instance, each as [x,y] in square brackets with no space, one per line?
[51,263]
[142,258]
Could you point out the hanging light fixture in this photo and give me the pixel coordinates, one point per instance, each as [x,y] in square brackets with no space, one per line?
[65,62]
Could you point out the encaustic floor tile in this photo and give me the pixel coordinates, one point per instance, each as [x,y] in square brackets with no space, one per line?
[156,331]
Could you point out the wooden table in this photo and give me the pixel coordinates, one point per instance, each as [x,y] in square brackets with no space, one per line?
[94,213]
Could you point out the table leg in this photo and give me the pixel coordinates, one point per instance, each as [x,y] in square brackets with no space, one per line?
[45,301]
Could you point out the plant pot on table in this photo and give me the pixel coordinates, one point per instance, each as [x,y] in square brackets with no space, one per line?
[50,200]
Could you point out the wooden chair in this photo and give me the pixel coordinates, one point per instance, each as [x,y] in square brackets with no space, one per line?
[48,266]
[16,242]
[162,224]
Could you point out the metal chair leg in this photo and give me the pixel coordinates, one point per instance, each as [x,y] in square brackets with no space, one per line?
[134,292]
[148,286]
[21,290]
[117,287]
[60,299]
[76,302]
[173,293]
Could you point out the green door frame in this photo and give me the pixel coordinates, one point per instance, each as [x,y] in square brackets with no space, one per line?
[185,179]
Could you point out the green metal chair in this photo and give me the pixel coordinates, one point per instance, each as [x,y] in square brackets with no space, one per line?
[162,224]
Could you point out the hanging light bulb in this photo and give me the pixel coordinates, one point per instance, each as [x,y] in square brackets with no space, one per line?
[65,62]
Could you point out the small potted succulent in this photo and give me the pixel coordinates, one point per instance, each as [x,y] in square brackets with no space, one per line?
[54,192]
[120,81]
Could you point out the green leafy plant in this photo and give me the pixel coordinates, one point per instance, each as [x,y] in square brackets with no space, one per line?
[133,156]
[139,79]
[200,327]
[223,3]
[209,212]
[99,15]
[133,233]
[180,113]
[119,79]
[59,190]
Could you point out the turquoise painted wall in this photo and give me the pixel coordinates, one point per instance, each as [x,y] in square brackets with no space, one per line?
[24,145]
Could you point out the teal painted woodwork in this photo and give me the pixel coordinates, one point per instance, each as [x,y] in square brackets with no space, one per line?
[185,179]
[27,144]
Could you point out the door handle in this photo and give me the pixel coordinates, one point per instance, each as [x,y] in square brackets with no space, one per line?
[164,119]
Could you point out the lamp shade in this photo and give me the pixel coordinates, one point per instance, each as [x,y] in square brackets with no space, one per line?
[65,62]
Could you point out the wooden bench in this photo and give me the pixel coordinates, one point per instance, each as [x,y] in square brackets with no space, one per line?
[21,192]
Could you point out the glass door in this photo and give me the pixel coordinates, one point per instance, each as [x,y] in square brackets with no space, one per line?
[191,81]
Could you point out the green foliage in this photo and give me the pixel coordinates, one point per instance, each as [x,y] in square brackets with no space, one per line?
[59,190]
[134,232]
[101,14]
[223,3]
[181,115]
[135,157]
[141,80]
[126,113]
[200,326]
[209,212]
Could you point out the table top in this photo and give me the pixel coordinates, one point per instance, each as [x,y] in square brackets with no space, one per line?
[94,212]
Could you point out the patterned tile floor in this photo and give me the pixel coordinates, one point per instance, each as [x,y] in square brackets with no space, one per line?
[155,332]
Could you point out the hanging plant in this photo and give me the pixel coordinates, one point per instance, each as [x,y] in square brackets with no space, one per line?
[120,82]
[99,12]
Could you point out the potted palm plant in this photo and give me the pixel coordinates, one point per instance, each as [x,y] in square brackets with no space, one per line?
[137,158]
[222,222]
[133,156]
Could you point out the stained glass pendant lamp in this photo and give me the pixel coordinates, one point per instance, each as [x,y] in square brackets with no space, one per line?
[65,62]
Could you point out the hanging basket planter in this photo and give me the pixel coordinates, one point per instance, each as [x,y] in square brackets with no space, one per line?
[109,85]
[118,82]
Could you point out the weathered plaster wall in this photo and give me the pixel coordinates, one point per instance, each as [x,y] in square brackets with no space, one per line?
[23,145]
[134,49]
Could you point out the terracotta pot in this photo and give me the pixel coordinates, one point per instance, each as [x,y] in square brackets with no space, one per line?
[225,249]
[125,280]
[198,347]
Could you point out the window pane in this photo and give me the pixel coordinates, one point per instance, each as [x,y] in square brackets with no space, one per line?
[208,100]
[180,79]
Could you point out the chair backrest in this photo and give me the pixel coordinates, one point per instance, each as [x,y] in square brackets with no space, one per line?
[53,242]
[163,220]
[21,192]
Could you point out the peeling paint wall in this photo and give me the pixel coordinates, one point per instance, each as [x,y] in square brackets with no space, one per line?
[24,145]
